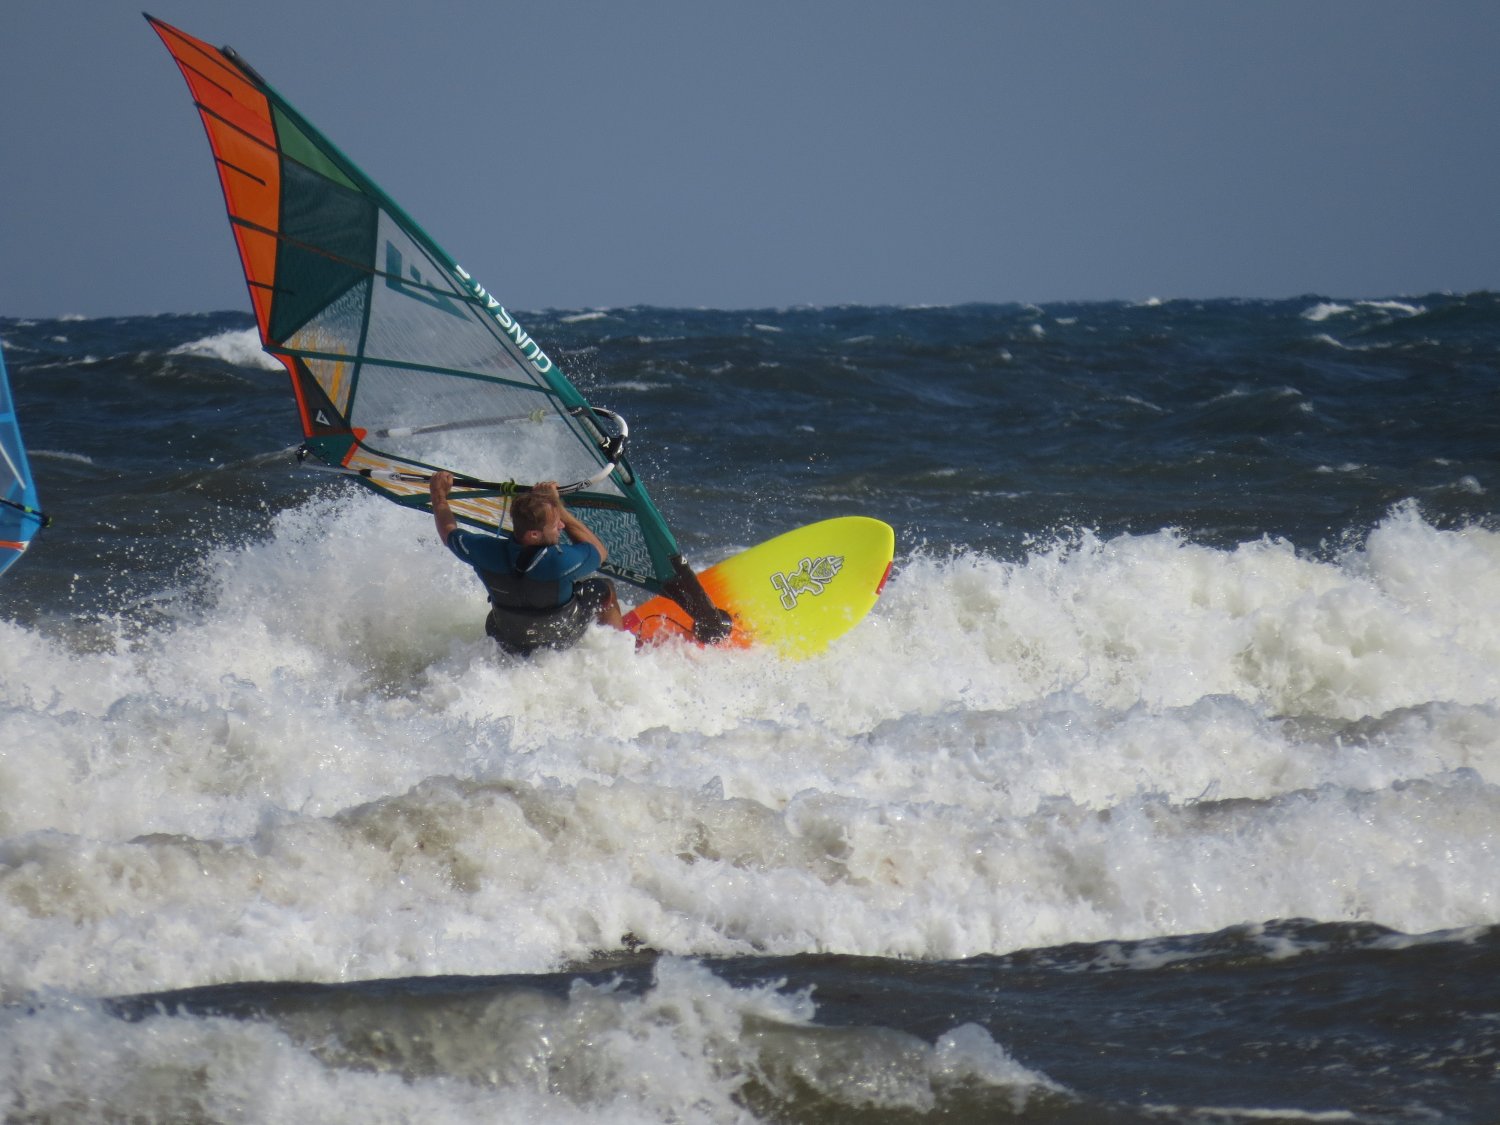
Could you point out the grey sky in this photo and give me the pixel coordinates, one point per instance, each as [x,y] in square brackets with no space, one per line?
[732,155]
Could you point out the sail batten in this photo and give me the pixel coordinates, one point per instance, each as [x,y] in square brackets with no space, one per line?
[408,365]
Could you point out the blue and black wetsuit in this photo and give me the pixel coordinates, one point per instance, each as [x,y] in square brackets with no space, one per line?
[541,597]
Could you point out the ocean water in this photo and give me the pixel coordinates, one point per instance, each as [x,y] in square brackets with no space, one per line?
[1162,785]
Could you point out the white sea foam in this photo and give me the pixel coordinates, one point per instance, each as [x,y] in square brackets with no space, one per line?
[1324,310]
[242,348]
[1402,307]
[322,770]
[1228,1114]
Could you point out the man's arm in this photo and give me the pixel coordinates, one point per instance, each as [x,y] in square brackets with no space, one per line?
[581,534]
[442,514]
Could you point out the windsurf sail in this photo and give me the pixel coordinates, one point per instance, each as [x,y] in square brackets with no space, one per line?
[20,507]
[400,361]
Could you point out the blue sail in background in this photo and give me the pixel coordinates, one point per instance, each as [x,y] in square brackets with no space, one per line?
[20,516]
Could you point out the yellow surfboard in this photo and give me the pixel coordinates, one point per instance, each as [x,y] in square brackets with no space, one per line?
[795,593]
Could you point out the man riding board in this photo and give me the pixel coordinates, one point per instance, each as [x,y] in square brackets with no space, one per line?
[541,595]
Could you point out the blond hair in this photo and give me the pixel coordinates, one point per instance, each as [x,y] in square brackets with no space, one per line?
[530,512]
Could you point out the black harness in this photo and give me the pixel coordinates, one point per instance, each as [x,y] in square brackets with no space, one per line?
[515,593]
[526,614]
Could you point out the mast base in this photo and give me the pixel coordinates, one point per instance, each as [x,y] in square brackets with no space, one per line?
[710,623]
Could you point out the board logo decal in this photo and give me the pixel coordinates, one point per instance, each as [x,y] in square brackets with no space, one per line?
[812,576]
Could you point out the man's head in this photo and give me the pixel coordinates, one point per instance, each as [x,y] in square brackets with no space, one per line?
[535,519]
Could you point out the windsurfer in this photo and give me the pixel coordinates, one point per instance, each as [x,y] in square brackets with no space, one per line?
[541,595]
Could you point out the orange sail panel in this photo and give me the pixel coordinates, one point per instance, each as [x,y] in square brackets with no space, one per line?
[242,135]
